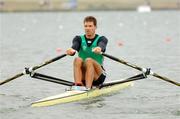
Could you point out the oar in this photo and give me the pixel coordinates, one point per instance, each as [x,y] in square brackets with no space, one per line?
[33,68]
[141,69]
[51,79]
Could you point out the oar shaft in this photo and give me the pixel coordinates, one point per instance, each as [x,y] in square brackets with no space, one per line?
[140,69]
[123,62]
[166,79]
[33,68]
[48,62]
[12,78]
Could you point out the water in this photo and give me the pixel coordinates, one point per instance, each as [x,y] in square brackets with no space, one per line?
[146,39]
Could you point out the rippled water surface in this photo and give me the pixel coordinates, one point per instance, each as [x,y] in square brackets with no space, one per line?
[146,39]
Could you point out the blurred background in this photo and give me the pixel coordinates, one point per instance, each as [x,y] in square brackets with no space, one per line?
[81,5]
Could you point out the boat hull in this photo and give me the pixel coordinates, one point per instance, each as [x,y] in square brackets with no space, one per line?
[71,96]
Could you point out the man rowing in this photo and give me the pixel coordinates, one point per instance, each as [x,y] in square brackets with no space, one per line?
[88,66]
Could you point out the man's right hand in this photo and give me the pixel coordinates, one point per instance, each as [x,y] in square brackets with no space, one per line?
[70,51]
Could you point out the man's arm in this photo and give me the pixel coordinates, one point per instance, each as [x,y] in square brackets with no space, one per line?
[75,46]
[103,43]
[76,43]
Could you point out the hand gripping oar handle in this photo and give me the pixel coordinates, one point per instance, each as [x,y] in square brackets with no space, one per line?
[33,68]
[140,69]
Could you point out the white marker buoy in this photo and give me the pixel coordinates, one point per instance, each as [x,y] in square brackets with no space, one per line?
[144,8]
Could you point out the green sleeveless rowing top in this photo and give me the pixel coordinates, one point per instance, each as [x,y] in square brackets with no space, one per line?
[86,52]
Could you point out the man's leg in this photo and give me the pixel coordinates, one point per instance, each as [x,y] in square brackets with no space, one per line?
[93,71]
[78,63]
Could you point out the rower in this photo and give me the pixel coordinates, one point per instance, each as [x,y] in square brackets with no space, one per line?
[88,66]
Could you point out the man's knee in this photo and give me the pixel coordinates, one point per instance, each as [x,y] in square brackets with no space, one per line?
[89,61]
[78,61]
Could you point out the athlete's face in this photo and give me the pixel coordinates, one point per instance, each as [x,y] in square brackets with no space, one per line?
[90,29]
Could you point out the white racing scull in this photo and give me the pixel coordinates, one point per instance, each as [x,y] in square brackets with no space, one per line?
[76,95]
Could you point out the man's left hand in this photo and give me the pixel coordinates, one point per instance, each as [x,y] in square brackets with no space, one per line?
[97,50]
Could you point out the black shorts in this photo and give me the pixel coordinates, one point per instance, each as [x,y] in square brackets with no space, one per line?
[100,80]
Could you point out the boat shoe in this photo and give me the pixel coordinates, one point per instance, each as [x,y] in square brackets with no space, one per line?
[79,88]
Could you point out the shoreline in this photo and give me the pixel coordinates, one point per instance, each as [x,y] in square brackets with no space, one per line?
[84,5]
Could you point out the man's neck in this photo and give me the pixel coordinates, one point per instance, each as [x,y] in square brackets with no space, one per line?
[90,37]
